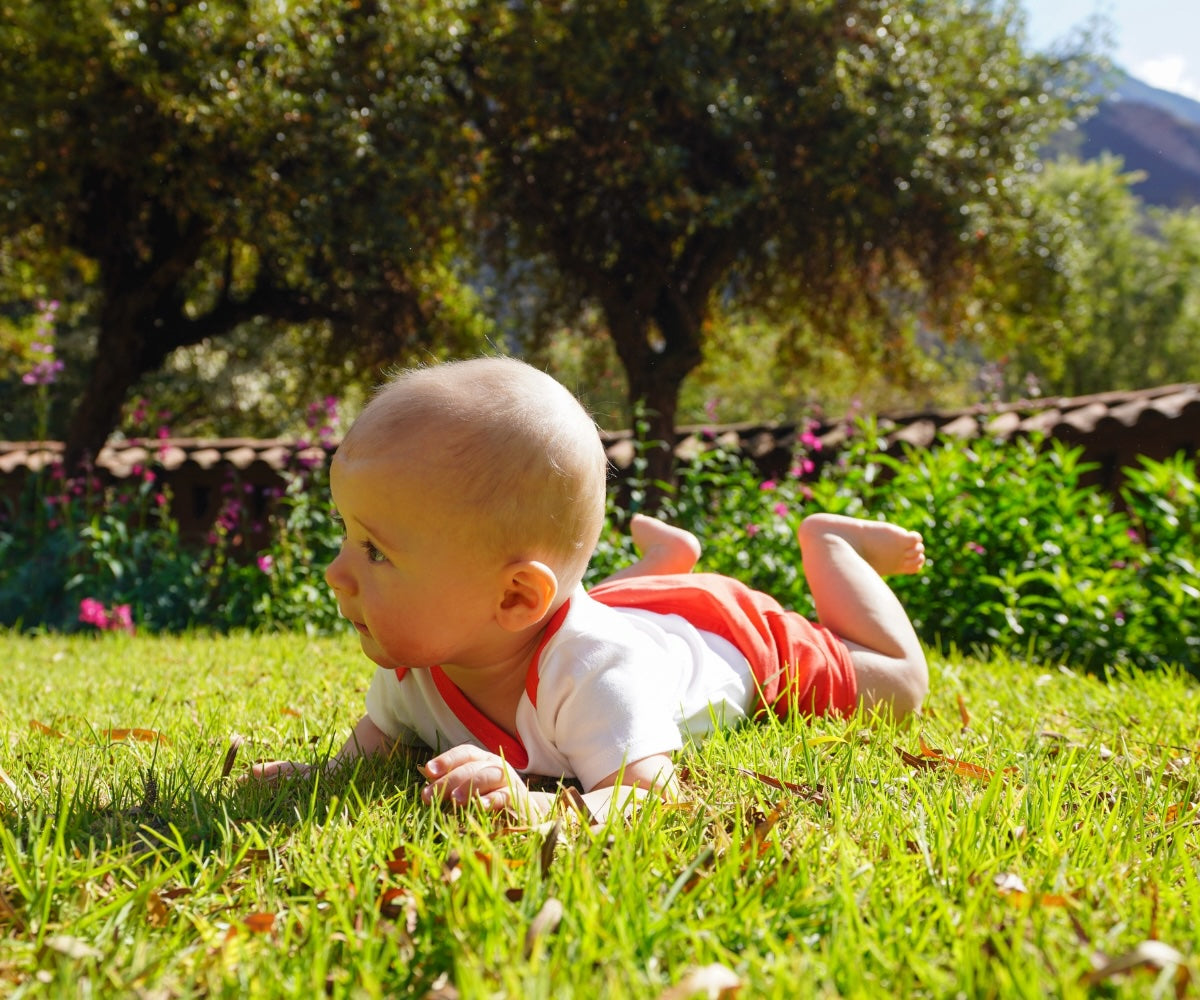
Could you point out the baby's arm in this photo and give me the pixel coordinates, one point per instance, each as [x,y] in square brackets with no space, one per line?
[366,740]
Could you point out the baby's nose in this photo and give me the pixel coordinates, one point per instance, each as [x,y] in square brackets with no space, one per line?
[337,577]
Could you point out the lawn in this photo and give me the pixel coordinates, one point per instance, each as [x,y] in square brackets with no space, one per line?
[1034,833]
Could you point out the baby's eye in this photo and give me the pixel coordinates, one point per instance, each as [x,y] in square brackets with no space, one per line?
[373,554]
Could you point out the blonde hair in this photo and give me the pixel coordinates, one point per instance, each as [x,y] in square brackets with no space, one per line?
[512,451]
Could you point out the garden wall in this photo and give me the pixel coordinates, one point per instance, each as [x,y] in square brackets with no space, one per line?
[1113,429]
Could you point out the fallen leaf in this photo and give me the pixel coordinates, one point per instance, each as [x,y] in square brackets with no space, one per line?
[549,842]
[1154,955]
[931,758]
[764,826]
[716,982]
[963,714]
[41,727]
[292,712]
[398,863]
[235,744]
[258,854]
[451,867]
[157,913]
[397,903]
[142,735]
[546,922]
[259,923]
[809,792]
[9,915]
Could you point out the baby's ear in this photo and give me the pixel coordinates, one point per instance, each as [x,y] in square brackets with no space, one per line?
[529,592]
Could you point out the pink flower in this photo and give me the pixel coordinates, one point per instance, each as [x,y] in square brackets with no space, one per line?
[122,619]
[767,484]
[91,612]
[266,563]
[976,548]
[781,509]
[752,530]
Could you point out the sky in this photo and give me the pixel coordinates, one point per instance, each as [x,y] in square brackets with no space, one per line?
[1157,41]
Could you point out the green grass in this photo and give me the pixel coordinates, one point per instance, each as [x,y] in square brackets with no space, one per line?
[876,877]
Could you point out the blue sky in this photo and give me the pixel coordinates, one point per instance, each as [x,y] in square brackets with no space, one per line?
[1157,41]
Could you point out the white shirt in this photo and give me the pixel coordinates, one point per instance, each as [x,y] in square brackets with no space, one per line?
[609,686]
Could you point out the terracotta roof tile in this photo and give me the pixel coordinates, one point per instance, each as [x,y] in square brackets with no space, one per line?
[1082,420]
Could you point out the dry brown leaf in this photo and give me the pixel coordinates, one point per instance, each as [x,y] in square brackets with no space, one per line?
[399,903]
[764,826]
[235,744]
[9,915]
[549,842]
[546,922]
[157,912]
[452,867]
[809,792]
[41,727]
[292,712]
[399,863]
[1154,955]
[141,735]
[259,923]
[963,714]
[715,982]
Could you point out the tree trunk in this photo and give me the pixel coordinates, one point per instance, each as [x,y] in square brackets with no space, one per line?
[657,353]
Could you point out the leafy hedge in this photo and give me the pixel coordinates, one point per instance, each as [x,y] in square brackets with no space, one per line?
[1024,555]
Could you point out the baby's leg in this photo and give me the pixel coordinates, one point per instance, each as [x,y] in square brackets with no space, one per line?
[663,547]
[845,560]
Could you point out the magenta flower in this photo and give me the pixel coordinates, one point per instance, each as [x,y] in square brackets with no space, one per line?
[781,509]
[266,563]
[767,484]
[122,619]
[976,548]
[752,530]
[91,612]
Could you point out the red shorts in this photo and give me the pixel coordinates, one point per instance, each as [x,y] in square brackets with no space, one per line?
[799,665]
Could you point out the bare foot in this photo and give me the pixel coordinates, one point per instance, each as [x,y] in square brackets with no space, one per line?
[887,548]
[664,549]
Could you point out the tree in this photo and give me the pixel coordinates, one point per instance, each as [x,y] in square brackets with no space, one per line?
[822,154]
[226,162]
[1118,285]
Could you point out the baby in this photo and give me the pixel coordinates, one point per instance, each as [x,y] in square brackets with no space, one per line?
[473,494]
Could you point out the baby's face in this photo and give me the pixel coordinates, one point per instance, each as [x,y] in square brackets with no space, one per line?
[416,590]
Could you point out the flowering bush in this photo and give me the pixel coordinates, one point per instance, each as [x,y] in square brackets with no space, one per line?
[1024,555]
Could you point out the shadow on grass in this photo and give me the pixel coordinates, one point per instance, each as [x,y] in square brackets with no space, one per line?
[141,812]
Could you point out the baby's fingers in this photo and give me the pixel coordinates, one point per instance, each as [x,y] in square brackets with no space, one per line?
[274,770]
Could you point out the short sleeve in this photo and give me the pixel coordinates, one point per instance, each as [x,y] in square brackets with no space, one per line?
[612,704]
[388,708]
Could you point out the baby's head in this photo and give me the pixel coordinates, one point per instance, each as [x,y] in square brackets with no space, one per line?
[503,449]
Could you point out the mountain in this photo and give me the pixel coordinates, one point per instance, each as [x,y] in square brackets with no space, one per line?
[1153,131]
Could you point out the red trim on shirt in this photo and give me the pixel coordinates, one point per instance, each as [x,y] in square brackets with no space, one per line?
[493,737]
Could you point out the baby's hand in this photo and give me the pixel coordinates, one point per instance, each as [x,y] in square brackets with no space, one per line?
[274,770]
[466,772]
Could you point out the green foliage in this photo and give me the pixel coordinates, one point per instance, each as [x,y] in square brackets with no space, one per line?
[1101,292]
[227,164]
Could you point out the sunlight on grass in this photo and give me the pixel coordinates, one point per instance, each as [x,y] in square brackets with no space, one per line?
[1034,825]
